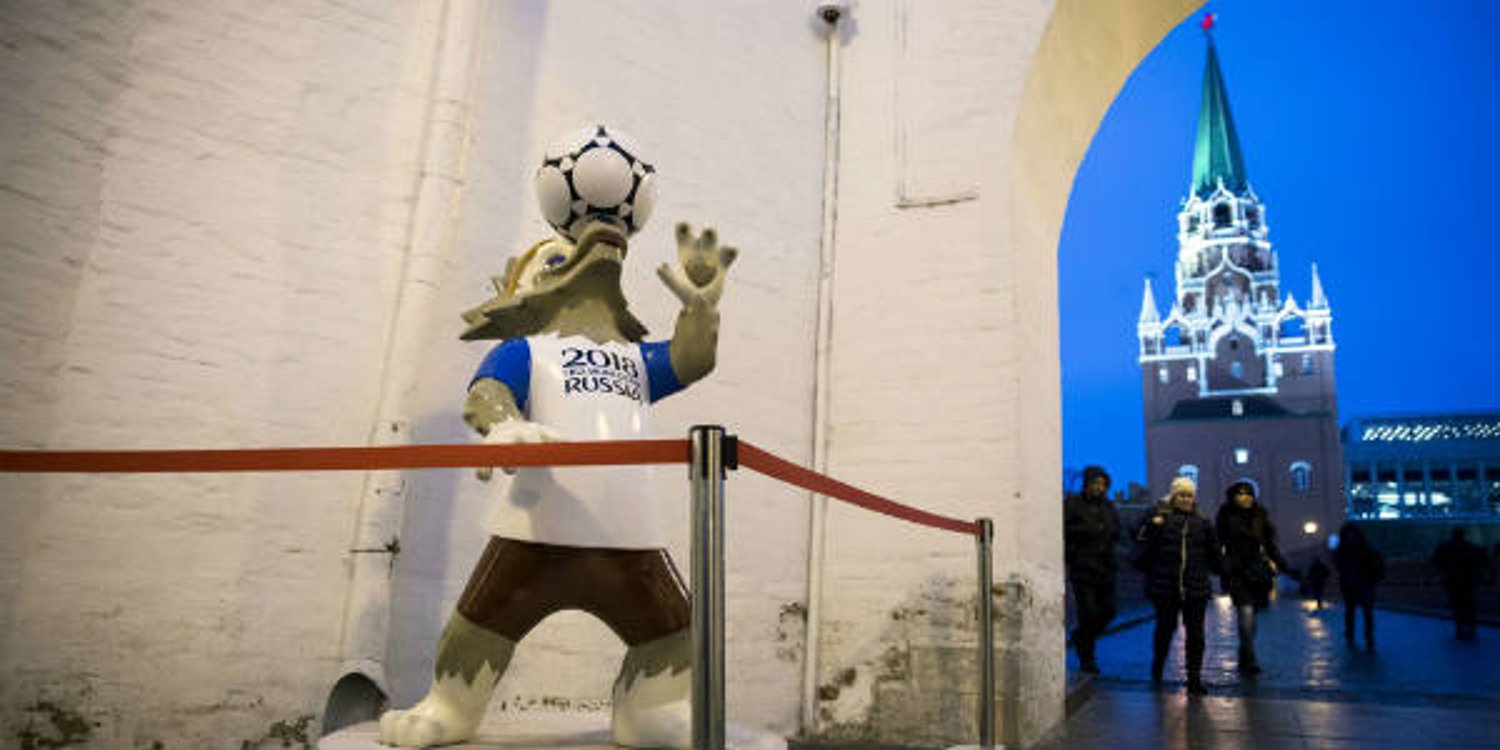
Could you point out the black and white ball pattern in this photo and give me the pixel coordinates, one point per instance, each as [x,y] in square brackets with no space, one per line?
[595,173]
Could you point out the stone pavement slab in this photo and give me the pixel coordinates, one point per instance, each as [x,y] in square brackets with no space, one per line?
[1138,718]
[1419,688]
[1301,647]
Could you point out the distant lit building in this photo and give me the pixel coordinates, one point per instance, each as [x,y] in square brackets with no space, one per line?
[1432,466]
[1238,377]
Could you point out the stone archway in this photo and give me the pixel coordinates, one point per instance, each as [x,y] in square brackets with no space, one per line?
[1082,61]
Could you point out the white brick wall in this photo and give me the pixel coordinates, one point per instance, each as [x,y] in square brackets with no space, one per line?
[202,202]
[927,376]
[207,208]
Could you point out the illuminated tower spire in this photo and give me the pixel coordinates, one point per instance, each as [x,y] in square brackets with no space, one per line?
[1229,303]
[1216,152]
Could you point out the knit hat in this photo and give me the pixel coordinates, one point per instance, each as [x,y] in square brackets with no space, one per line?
[1234,489]
[1089,472]
[1182,484]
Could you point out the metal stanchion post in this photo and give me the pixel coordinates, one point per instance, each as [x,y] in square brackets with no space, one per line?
[706,471]
[986,634]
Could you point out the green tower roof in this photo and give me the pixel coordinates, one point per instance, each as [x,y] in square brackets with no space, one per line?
[1216,153]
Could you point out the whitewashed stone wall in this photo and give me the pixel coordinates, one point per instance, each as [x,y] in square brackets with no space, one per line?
[928,376]
[202,206]
[207,209]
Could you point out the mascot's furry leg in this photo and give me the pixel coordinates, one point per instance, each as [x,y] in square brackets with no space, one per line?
[470,661]
[516,585]
[651,695]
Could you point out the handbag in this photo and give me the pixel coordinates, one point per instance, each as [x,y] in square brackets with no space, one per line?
[1259,575]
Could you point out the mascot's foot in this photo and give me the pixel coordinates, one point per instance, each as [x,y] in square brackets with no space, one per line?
[652,707]
[470,661]
[662,725]
[433,721]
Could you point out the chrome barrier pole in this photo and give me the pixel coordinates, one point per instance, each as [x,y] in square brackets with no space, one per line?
[985,541]
[706,471]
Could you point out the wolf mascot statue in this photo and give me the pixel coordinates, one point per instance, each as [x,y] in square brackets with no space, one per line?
[572,365]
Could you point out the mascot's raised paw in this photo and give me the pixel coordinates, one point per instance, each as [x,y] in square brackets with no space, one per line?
[701,266]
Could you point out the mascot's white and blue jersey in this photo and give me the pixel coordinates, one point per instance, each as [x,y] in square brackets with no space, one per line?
[586,391]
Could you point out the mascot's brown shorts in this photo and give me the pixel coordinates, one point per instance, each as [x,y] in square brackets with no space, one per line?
[637,593]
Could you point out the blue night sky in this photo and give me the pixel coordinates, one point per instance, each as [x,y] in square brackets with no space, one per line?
[1370,131]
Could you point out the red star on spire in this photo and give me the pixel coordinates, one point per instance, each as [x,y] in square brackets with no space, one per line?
[1208,22]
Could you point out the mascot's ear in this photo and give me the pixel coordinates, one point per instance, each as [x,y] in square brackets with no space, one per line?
[502,282]
[505,315]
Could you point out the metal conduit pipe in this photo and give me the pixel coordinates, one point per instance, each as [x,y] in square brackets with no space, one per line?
[831,13]
[363,683]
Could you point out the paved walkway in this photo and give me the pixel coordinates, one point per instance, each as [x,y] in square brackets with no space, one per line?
[1420,688]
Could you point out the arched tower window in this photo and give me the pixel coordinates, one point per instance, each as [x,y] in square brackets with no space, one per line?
[1292,328]
[1237,370]
[1301,475]
[1223,215]
[1188,470]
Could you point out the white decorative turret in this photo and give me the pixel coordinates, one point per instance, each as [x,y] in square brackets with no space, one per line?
[1319,300]
[1148,306]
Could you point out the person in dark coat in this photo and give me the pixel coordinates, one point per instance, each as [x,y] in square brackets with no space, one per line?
[1462,563]
[1177,550]
[1251,562]
[1317,579]
[1360,567]
[1090,529]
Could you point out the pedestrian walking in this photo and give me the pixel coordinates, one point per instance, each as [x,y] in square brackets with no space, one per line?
[1177,550]
[1317,579]
[1090,529]
[1252,561]
[1462,563]
[1360,568]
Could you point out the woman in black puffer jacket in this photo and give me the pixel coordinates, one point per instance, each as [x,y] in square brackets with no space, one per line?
[1251,562]
[1177,550]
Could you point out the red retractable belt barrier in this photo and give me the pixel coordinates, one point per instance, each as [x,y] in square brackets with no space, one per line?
[602,453]
[771,465]
[350,459]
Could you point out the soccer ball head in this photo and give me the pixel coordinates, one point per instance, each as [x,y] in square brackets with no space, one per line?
[594,173]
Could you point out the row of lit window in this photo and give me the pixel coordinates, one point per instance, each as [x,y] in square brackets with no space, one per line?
[1300,471]
[1291,329]
[1487,429]
[1412,475]
[1387,500]
[1236,370]
[1222,214]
